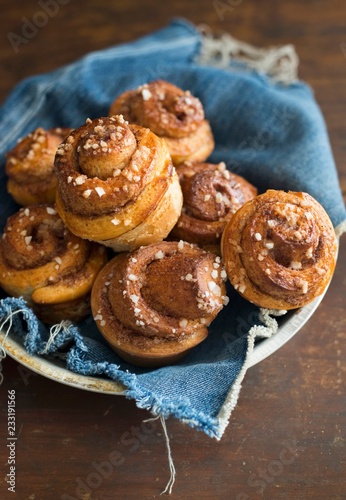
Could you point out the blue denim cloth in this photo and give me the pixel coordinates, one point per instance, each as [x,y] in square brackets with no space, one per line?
[272,134]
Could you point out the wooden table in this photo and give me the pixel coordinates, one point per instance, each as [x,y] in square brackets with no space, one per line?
[286,438]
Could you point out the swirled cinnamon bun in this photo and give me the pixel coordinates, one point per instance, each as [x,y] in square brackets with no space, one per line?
[171,113]
[155,304]
[211,195]
[30,166]
[279,250]
[43,262]
[117,184]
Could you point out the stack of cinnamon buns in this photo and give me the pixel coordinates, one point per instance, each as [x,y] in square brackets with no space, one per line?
[126,217]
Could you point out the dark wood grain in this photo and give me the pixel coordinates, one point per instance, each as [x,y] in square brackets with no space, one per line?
[286,438]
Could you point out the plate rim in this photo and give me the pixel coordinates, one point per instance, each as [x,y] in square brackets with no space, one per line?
[45,367]
[269,346]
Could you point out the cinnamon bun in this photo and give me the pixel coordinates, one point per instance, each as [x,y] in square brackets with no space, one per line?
[155,304]
[279,249]
[117,184]
[211,195]
[30,166]
[171,113]
[47,265]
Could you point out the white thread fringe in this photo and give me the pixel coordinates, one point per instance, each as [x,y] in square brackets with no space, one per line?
[269,328]
[279,63]
[54,332]
[2,350]
[2,356]
[171,481]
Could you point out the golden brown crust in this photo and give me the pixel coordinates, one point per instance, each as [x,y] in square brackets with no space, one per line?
[43,262]
[279,250]
[171,113]
[153,305]
[30,166]
[113,180]
[211,195]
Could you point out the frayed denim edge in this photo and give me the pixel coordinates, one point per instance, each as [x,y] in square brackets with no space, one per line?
[144,399]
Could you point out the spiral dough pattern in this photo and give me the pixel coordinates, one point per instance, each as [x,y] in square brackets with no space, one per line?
[279,250]
[171,113]
[155,304]
[43,262]
[30,166]
[211,194]
[117,184]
